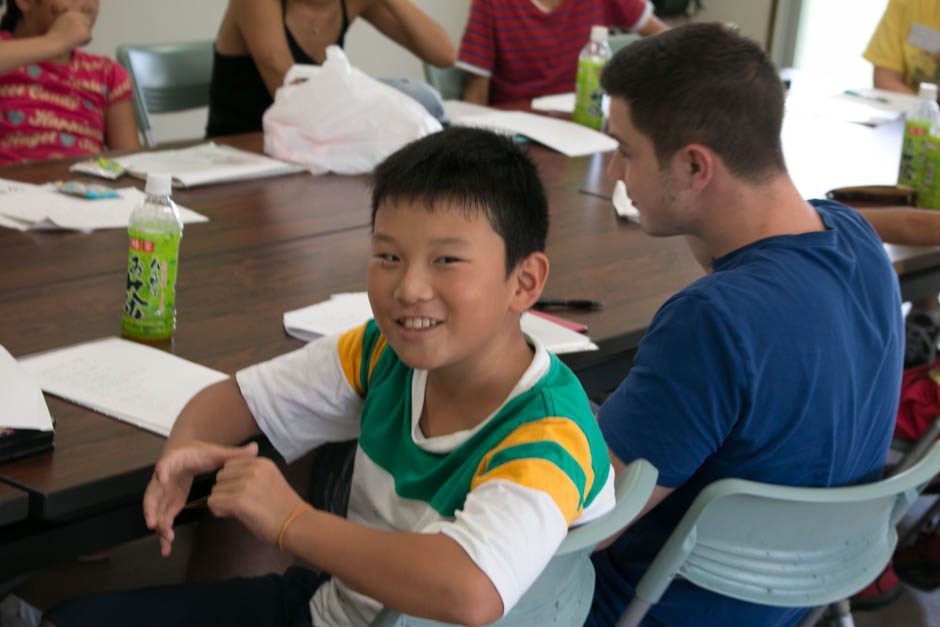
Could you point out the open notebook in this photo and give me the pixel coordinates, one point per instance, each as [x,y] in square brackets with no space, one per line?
[345,311]
[138,384]
[207,163]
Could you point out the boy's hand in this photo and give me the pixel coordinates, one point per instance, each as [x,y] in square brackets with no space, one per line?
[173,477]
[71,30]
[255,492]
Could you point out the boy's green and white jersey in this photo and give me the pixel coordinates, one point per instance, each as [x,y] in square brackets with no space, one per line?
[506,491]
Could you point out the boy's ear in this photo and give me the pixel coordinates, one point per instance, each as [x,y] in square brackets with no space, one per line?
[529,277]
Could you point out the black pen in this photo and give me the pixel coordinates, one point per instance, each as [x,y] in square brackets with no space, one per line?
[569,303]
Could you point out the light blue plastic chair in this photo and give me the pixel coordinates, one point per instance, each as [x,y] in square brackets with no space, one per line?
[620,40]
[563,592]
[166,78]
[447,81]
[784,546]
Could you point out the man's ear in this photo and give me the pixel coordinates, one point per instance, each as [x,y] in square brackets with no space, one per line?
[697,165]
[529,278]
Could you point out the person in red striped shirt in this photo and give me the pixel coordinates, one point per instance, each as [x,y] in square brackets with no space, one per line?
[518,49]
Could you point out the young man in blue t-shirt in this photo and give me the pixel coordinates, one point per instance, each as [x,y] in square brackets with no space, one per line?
[782,365]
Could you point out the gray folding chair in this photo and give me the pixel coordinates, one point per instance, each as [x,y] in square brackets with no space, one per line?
[781,545]
[167,77]
[563,592]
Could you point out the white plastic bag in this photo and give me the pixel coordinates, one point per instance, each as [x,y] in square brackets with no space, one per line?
[339,119]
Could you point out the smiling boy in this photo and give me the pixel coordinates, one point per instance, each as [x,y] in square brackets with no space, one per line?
[476,447]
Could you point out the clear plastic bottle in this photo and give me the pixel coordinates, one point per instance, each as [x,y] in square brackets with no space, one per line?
[589,96]
[917,127]
[155,229]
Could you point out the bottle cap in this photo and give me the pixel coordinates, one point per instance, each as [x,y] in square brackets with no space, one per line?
[599,33]
[927,91]
[158,184]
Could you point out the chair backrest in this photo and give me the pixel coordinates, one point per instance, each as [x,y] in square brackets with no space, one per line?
[447,81]
[167,77]
[785,546]
[617,42]
[562,594]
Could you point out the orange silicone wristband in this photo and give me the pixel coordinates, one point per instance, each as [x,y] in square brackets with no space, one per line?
[300,509]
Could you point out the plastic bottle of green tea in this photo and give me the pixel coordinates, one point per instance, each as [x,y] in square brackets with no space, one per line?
[155,229]
[918,122]
[588,94]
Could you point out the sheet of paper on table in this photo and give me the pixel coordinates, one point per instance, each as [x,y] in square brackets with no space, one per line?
[345,311]
[23,404]
[568,138]
[138,384]
[35,207]
[207,163]
[556,103]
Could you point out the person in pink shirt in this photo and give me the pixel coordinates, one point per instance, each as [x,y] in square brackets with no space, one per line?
[57,101]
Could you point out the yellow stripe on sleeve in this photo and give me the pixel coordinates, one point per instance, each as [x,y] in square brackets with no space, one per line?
[563,431]
[542,475]
[350,356]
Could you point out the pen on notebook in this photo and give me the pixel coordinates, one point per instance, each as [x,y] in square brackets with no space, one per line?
[569,303]
[858,94]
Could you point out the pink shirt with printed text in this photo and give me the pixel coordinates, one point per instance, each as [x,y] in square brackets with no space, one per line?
[52,110]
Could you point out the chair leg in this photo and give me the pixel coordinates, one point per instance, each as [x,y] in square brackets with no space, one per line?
[812,617]
[634,613]
[844,614]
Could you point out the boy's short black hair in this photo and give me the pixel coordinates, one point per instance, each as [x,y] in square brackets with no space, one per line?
[703,84]
[478,171]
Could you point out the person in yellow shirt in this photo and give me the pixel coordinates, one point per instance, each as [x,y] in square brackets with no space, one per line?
[905,48]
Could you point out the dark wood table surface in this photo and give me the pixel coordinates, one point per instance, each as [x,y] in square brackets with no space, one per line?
[270,246]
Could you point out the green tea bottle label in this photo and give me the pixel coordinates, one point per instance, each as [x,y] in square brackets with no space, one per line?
[913,153]
[149,307]
[589,96]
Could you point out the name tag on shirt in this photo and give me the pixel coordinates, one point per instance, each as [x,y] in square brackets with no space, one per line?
[925,38]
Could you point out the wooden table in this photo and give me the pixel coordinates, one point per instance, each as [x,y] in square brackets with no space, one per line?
[271,245]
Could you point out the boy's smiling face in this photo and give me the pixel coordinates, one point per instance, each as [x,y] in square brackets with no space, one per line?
[438,286]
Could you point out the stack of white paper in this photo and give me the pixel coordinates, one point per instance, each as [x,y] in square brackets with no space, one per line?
[23,404]
[30,207]
[138,384]
[207,163]
[345,311]
[573,140]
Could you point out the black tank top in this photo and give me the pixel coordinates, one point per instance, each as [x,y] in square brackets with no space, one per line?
[238,96]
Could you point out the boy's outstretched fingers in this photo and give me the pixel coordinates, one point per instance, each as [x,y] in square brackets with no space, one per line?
[173,477]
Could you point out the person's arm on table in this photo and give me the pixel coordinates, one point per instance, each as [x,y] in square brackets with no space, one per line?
[903,225]
[891,80]
[201,440]
[653,26]
[476,89]
[422,574]
[69,31]
[407,25]
[120,130]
